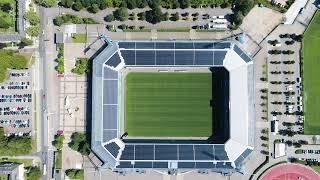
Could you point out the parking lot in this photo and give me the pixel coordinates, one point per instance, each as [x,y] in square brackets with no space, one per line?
[16,103]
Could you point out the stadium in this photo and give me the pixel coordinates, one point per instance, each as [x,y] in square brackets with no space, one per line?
[172,106]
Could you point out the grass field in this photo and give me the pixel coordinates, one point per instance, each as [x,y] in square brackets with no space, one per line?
[79,38]
[8,18]
[311,66]
[168,104]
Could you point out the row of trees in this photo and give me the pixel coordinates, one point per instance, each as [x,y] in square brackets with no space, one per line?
[34,21]
[95,5]
[69,18]
[275,51]
[12,145]
[60,67]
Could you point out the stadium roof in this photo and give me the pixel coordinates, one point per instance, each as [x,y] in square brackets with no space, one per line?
[107,83]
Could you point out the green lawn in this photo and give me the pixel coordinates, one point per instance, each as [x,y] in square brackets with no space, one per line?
[59,159]
[26,162]
[8,18]
[178,29]
[311,66]
[4,176]
[169,104]
[79,38]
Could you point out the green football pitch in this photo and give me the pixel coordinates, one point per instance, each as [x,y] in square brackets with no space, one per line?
[168,104]
[311,79]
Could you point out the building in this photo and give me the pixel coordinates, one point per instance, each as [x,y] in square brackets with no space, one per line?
[225,154]
[13,170]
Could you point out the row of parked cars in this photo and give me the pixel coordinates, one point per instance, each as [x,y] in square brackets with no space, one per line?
[14,110]
[17,123]
[16,98]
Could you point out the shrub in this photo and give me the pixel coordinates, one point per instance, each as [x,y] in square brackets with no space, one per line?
[109,18]
[121,14]
[82,66]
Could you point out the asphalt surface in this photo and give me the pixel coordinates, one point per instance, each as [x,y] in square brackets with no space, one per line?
[49,90]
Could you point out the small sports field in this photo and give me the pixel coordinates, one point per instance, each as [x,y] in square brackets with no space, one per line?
[168,104]
[311,69]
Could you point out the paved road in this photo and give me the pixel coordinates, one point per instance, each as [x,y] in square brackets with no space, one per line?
[49,86]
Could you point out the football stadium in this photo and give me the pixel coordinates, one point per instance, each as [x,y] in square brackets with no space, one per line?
[172,106]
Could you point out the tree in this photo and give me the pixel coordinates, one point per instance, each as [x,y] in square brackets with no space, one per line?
[46,3]
[94,8]
[82,66]
[121,14]
[32,17]
[142,16]
[6,7]
[141,3]
[244,6]
[33,173]
[184,3]
[237,18]
[66,3]
[80,142]
[77,5]
[25,42]
[131,4]
[109,18]
[103,4]
[154,16]
[58,21]
[175,16]
[33,31]
[58,141]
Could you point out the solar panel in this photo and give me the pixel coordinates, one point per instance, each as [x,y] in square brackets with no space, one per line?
[224,165]
[164,58]
[129,57]
[186,152]
[113,148]
[114,61]
[237,50]
[128,153]
[145,58]
[110,92]
[109,134]
[143,165]
[164,45]
[186,165]
[145,45]
[220,153]
[184,45]
[221,45]
[245,57]
[203,45]
[184,57]
[144,152]
[125,164]
[160,165]
[205,165]
[127,45]
[110,117]
[204,152]
[166,152]
[219,57]
[203,58]
[110,74]
[239,161]
[246,153]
